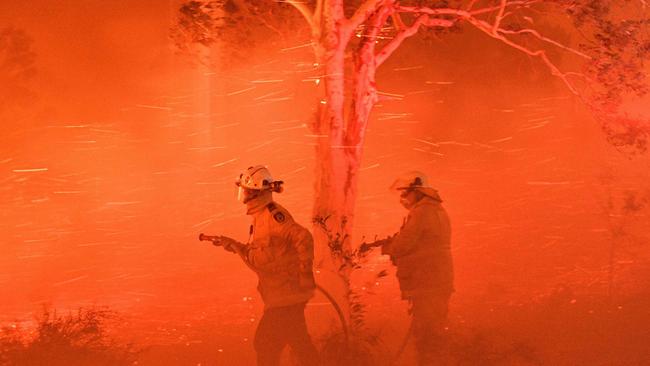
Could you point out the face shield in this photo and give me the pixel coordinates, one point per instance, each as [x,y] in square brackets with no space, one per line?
[245,195]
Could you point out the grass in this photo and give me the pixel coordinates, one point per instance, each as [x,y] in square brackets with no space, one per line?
[72,339]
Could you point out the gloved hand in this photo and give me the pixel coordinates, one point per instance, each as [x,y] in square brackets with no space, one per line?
[377,243]
[306,280]
[385,245]
[227,243]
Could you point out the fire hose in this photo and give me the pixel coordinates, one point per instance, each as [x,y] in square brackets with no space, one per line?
[216,240]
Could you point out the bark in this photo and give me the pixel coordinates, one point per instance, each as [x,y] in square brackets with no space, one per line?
[339,151]
[330,166]
[340,147]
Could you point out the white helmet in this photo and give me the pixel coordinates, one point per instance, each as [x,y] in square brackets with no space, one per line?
[410,180]
[257,178]
[415,180]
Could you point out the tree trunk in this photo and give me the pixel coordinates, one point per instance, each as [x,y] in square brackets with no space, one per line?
[330,209]
[338,159]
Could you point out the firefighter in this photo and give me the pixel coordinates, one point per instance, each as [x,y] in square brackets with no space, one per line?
[281,252]
[421,252]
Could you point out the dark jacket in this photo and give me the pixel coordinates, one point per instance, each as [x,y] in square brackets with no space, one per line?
[421,251]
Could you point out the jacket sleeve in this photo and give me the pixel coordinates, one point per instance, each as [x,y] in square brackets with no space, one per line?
[258,254]
[303,243]
[406,240]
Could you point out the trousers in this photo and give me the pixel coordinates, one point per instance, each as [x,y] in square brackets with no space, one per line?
[281,327]
[429,313]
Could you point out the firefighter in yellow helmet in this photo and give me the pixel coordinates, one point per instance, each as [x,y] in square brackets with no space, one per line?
[421,252]
[281,252]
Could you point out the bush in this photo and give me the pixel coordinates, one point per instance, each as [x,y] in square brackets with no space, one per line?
[358,350]
[74,339]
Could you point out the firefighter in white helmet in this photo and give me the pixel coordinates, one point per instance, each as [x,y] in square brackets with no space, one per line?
[421,252]
[281,252]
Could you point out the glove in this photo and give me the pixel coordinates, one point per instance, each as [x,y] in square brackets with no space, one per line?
[228,244]
[385,245]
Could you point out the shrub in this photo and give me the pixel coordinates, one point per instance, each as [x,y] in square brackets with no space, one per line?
[74,339]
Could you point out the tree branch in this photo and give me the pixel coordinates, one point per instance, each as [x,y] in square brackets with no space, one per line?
[363,13]
[471,4]
[499,17]
[318,14]
[430,11]
[306,13]
[487,29]
[545,39]
[493,30]
[372,30]
[490,9]
[460,12]
[397,21]
[423,20]
[364,89]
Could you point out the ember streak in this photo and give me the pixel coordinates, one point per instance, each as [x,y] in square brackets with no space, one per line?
[123,126]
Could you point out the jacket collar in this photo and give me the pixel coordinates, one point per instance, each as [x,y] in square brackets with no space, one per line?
[426,200]
[258,204]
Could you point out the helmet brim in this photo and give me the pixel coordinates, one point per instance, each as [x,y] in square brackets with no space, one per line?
[428,191]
